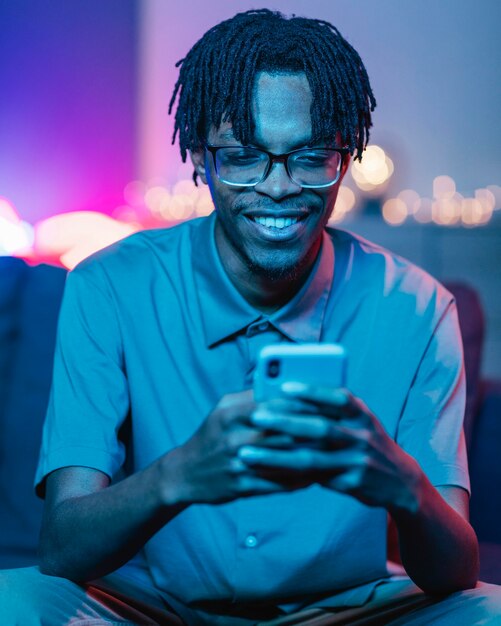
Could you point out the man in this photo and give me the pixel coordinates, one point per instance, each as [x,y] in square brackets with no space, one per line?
[165,484]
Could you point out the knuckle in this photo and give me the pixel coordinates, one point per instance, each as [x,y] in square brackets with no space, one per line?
[354,478]
[225,415]
[236,467]
[364,438]
[243,484]
[305,459]
[232,443]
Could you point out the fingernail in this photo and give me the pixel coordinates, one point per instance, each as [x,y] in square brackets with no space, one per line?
[250,453]
[294,387]
[339,396]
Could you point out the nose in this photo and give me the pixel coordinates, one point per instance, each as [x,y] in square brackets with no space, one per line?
[278,184]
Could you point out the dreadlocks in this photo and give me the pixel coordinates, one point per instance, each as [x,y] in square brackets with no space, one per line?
[217,77]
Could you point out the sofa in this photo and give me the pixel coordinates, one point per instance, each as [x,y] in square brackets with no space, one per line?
[30,297]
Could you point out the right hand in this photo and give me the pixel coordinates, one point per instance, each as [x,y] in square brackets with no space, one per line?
[206,469]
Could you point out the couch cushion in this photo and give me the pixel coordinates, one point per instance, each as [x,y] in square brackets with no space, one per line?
[29,304]
[472,324]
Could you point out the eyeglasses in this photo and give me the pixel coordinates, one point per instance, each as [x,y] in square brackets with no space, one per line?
[244,166]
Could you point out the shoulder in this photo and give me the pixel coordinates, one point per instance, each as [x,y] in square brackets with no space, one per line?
[137,255]
[390,278]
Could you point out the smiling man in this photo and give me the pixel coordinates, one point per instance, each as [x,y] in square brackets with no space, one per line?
[171,496]
[273,198]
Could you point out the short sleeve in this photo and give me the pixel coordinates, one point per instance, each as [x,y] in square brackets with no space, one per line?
[431,425]
[89,398]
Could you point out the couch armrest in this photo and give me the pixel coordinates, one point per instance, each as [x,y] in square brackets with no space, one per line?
[485,466]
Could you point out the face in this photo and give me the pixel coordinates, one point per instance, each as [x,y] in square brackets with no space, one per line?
[281,112]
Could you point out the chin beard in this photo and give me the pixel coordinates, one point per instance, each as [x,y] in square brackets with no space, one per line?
[275,269]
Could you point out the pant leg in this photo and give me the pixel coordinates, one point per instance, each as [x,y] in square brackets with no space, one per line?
[30,598]
[399,602]
[478,606]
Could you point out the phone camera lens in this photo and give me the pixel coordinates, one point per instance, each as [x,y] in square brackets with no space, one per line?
[273,368]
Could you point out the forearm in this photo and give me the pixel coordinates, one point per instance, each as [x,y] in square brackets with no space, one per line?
[438,547]
[89,536]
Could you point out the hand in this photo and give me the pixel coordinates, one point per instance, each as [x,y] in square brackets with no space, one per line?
[207,469]
[346,449]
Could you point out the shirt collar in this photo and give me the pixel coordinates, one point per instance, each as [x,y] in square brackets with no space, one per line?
[300,319]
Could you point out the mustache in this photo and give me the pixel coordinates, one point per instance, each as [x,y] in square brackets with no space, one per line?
[285,205]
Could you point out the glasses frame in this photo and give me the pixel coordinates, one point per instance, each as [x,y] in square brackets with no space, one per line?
[276,158]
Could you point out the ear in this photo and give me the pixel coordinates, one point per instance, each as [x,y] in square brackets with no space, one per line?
[198,160]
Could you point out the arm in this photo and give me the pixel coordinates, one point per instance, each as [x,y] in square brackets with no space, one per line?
[356,457]
[437,543]
[91,528]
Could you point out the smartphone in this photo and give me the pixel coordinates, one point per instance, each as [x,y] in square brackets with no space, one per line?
[320,364]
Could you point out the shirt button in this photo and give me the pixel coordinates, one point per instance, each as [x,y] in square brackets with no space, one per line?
[250,541]
[262,326]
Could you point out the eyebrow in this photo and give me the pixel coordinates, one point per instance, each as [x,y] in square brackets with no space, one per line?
[228,135]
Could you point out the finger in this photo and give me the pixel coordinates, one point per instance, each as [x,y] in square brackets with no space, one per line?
[302,459]
[310,427]
[255,485]
[287,405]
[244,436]
[276,441]
[317,428]
[337,402]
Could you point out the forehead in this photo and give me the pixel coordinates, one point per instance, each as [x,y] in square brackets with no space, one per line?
[280,108]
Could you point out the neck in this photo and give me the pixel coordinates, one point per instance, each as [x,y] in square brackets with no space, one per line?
[263,291]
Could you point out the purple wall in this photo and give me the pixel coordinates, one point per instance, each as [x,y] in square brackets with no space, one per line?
[67,104]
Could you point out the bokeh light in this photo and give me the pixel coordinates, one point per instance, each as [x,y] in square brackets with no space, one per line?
[395,211]
[134,193]
[16,238]
[447,207]
[496,192]
[447,210]
[374,171]
[70,237]
[8,212]
[344,204]
[444,188]
[74,236]
[16,235]
[411,199]
[424,211]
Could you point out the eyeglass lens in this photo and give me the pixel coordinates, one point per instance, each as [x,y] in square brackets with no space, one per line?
[308,167]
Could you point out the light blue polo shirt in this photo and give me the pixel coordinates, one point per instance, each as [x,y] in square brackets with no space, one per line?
[152,334]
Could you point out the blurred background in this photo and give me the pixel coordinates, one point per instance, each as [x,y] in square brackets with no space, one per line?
[85,139]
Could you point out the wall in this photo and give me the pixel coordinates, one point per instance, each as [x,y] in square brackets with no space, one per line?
[68,104]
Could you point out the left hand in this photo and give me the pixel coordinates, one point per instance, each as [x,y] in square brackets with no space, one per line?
[340,445]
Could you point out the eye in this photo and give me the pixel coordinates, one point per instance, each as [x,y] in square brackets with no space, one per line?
[239,157]
[313,158]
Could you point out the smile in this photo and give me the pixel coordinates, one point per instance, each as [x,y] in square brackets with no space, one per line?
[277,228]
[275,222]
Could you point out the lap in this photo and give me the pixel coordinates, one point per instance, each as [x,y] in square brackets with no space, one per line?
[481,605]
[31,598]
[398,602]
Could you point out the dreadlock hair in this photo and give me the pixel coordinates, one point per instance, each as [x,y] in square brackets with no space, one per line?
[216,78]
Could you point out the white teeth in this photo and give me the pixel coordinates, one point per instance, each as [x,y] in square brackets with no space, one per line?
[278,222]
